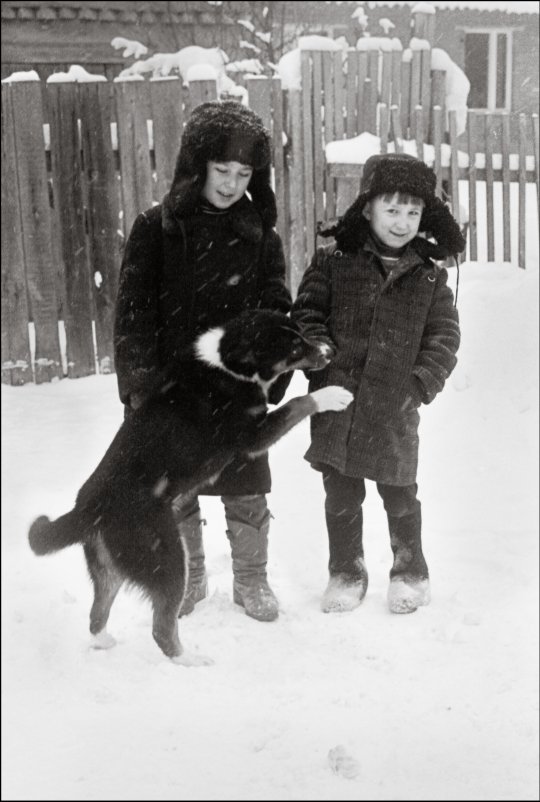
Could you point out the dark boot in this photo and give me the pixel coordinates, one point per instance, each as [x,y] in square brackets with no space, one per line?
[249,549]
[190,530]
[348,581]
[409,576]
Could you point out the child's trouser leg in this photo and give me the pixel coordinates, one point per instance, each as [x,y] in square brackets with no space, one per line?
[248,523]
[348,581]
[188,520]
[409,575]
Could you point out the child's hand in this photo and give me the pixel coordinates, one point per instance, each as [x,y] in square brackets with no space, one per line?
[332,398]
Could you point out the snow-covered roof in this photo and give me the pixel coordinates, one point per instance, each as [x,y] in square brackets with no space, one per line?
[512,6]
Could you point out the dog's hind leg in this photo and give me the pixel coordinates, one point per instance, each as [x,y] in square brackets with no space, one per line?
[107,582]
[166,587]
[165,632]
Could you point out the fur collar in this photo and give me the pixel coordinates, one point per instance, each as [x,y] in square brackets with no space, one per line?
[243,218]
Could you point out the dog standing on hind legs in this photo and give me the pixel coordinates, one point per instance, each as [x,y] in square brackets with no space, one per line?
[203,412]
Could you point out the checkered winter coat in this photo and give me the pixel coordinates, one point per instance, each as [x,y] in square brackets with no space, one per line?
[396,339]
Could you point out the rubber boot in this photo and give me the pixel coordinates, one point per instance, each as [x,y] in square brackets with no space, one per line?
[409,576]
[249,549]
[190,530]
[348,581]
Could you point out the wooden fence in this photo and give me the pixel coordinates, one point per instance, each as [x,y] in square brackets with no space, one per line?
[82,160]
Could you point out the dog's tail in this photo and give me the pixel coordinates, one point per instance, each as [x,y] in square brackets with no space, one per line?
[46,536]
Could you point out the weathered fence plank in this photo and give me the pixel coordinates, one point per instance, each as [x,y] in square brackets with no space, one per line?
[329,136]
[296,184]
[362,100]
[317,122]
[415,98]
[352,72]
[488,149]
[16,359]
[166,102]
[279,163]
[397,135]
[307,128]
[437,137]
[505,142]
[103,207]
[64,114]
[135,169]
[454,166]
[536,146]
[202,92]
[473,225]
[522,186]
[36,228]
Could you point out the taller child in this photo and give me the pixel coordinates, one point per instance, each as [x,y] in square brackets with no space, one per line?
[377,297]
[204,255]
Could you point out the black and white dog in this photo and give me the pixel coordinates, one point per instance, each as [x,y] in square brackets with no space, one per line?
[207,409]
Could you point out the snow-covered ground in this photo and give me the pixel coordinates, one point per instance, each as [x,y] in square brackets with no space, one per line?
[441,704]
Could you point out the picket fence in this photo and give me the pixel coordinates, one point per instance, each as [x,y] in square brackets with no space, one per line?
[80,161]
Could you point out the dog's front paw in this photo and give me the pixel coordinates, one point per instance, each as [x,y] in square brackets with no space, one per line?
[332,398]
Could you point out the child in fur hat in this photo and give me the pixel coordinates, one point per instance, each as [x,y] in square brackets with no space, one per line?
[204,255]
[378,299]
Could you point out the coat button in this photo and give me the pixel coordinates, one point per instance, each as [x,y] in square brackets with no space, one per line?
[338,254]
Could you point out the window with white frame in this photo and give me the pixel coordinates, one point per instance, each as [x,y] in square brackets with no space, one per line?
[488,66]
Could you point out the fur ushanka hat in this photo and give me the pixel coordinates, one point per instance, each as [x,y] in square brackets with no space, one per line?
[398,172]
[222,131]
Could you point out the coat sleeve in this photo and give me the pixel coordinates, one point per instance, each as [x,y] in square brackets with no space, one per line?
[311,308]
[274,294]
[136,311]
[273,291]
[440,341]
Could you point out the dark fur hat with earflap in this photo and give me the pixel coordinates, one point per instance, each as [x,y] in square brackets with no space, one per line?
[389,173]
[222,131]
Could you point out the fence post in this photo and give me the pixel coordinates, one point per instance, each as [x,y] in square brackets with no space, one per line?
[36,227]
[69,201]
[104,234]
[16,367]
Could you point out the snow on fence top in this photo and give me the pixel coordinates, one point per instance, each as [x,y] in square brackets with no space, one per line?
[511,6]
[358,149]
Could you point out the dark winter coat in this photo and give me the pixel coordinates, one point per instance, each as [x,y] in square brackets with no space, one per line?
[180,276]
[396,339]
